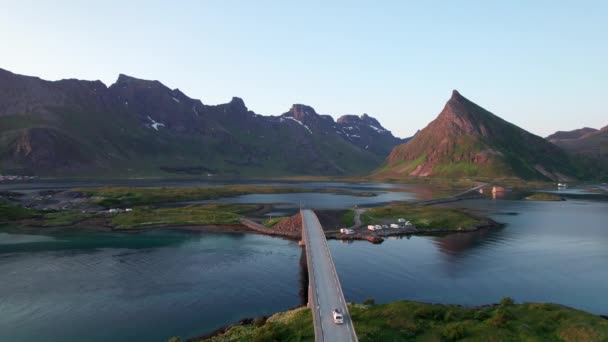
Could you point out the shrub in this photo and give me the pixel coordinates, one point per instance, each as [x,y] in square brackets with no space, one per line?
[453,332]
[260,321]
[481,315]
[500,318]
[507,301]
[433,312]
[369,301]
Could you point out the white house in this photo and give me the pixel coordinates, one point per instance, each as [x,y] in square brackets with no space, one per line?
[347,231]
[371,227]
[401,220]
[394,225]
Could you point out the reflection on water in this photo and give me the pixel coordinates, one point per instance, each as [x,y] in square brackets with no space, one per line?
[315,200]
[548,252]
[158,284]
[144,287]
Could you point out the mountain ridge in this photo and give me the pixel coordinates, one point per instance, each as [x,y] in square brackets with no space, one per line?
[137,126]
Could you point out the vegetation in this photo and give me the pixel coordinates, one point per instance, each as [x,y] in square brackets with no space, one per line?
[272,221]
[294,325]
[404,321]
[64,217]
[544,196]
[13,213]
[348,218]
[423,217]
[144,216]
[111,196]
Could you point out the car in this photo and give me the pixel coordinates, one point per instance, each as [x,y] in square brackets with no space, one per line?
[338,317]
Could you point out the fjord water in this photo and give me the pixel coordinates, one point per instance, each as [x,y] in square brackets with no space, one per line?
[107,286]
[147,287]
[547,252]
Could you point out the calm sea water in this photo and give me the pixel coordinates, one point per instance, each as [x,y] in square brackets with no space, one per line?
[70,286]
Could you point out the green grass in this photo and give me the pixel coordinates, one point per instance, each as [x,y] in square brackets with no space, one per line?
[348,218]
[294,325]
[14,213]
[423,217]
[543,196]
[272,221]
[122,196]
[412,321]
[64,217]
[142,217]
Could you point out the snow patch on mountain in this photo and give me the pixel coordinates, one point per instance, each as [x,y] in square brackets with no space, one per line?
[300,123]
[379,130]
[155,124]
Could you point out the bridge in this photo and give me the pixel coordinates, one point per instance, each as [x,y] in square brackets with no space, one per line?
[324,290]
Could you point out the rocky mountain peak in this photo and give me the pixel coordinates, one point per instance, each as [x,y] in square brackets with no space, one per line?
[302,112]
[371,121]
[126,81]
[238,105]
[349,119]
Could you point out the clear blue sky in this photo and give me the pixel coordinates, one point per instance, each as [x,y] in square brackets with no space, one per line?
[542,65]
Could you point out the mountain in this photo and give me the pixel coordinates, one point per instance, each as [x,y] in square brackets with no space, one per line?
[466,140]
[568,135]
[588,146]
[585,141]
[139,127]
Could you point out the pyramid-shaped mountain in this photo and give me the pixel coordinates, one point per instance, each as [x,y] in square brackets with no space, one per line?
[466,140]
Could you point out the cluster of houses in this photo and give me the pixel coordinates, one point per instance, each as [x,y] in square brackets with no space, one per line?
[14,178]
[119,210]
[402,223]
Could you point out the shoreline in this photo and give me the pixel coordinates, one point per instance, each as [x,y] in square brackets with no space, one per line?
[251,320]
[375,238]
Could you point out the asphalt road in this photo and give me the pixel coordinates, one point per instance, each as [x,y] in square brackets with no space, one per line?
[325,285]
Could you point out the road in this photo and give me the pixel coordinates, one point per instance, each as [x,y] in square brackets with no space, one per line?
[325,288]
[358,222]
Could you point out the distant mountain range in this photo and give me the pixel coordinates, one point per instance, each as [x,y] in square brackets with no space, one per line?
[138,127]
[588,146]
[142,128]
[466,140]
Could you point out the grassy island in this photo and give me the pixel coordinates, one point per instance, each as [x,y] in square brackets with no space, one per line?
[544,196]
[412,321]
[113,196]
[142,217]
[423,217]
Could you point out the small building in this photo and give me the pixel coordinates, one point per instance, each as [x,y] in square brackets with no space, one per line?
[408,223]
[347,231]
[371,227]
[401,220]
[394,225]
[378,227]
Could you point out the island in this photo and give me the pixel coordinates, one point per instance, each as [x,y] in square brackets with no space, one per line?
[136,209]
[544,196]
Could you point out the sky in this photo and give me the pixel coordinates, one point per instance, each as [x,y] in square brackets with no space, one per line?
[542,65]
